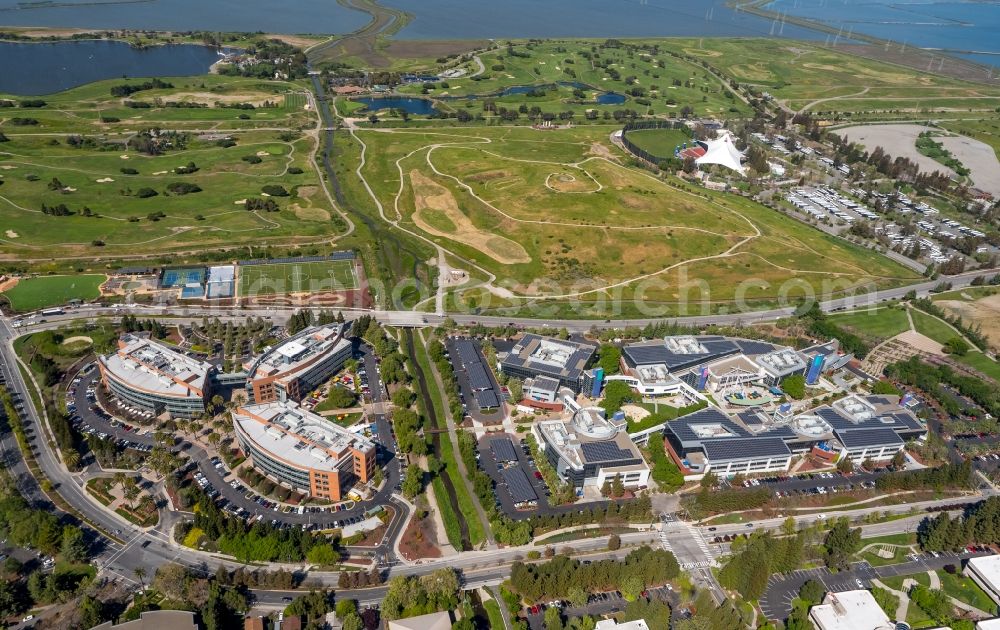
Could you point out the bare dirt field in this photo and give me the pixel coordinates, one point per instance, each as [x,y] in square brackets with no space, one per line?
[979,158]
[984,312]
[896,140]
[431,197]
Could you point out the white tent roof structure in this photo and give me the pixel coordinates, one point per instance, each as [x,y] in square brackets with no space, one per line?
[722,151]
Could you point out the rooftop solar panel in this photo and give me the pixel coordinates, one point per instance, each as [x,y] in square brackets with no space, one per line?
[859,438]
[594,452]
[754,347]
[517,483]
[745,448]
[503,450]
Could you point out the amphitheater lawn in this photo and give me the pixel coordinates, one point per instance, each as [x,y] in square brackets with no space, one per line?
[46,291]
[302,277]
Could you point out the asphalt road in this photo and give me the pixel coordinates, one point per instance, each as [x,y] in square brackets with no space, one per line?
[280,315]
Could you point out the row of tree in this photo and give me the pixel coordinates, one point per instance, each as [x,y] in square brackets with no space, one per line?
[564,577]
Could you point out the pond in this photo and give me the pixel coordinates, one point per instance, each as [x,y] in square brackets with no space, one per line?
[31,69]
[610,98]
[417,106]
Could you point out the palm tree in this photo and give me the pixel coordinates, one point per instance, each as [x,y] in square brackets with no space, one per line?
[120,479]
[71,457]
[140,574]
[131,493]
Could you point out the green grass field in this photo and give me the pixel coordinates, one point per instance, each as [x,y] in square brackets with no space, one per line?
[606,227]
[983,363]
[659,142]
[932,327]
[965,590]
[48,291]
[882,323]
[82,154]
[656,83]
[309,277]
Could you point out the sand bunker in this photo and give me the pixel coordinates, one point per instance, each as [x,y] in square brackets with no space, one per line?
[432,198]
[12,234]
[263,154]
[161,172]
[104,180]
[78,339]
[240,202]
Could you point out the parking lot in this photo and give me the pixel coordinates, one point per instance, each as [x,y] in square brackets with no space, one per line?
[464,361]
[599,605]
[776,603]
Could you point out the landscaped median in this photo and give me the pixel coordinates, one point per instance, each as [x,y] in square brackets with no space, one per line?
[129,502]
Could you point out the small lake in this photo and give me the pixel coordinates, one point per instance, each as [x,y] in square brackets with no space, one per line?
[31,69]
[610,98]
[416,106]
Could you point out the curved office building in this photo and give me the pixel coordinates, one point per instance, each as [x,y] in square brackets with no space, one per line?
[303,450]
[154,378]
[297,365]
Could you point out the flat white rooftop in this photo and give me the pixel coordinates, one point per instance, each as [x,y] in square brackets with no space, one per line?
[297,436]
[147,365]
[987,569]
[850,610]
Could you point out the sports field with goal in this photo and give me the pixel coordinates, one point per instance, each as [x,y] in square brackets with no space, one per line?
[299,277]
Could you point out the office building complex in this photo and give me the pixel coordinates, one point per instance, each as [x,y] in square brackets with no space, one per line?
[587,449]
[564,361]
[303,450]
[297,365]
[753,441]
[152,377]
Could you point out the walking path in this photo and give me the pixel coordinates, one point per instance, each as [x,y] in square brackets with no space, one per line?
[453,437]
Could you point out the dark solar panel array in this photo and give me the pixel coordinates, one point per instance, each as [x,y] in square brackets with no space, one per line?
[754,347]
[594,452]
[681,427]
[517,483]
[879,400]
[869,437]
[297,259]
[503,450]
[478,378]
[744,448]
[716,347]
[467,353]
[487,399]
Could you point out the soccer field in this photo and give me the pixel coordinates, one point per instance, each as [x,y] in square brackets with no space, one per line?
[309,277]
[46,291]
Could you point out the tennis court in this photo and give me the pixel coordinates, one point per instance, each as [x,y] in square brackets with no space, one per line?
[300,277]
[182,277]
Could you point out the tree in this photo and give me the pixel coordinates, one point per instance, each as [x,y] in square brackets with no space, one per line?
[840,544]
[614,542]
[812,591]
[321,554]
[845,465]
[553,619]
[577,596]
[898,460]
[709,480]
[73,547]
[413,483]
[956,346]
[516,388]
[140,574]
[631,587]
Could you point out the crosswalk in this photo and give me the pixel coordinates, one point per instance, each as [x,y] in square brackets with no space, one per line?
[687,544]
